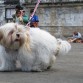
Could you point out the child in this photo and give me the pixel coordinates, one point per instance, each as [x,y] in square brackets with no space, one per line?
[77,38]
[34,20]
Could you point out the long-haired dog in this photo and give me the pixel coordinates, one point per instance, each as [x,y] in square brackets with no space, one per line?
[36,49]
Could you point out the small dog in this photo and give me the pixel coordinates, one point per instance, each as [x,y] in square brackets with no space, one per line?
[36,49]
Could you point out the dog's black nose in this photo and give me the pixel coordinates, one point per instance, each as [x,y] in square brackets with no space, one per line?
[17,35]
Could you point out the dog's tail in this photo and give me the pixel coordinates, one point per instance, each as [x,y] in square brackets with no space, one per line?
[63,47]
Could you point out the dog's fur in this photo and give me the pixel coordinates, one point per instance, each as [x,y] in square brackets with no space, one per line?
[36,49]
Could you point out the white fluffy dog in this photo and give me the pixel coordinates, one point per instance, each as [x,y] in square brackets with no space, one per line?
[36,49]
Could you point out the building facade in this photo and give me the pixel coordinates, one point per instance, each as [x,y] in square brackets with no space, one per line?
[59,17]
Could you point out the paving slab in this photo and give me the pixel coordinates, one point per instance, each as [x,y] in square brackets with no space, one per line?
[67,69]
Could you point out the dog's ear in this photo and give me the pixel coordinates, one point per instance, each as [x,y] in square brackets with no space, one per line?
[27,33]
[27,27]
[16,26]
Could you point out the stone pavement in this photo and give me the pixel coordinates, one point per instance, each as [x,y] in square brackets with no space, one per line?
[67,69]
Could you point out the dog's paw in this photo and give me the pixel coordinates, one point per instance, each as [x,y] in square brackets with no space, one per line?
[25,69]
[7,69]
[36,69]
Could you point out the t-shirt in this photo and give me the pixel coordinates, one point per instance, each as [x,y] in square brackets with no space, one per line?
[77,36]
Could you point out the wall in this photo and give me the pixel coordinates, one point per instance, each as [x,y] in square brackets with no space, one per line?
[60,19]
[2,14]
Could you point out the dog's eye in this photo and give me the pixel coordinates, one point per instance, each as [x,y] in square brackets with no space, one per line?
[1,36]
[11,32]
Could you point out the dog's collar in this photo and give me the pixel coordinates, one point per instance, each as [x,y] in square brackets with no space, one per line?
[58,49]
[8,50]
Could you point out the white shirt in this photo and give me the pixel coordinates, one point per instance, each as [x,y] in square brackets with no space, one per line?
[77,36]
